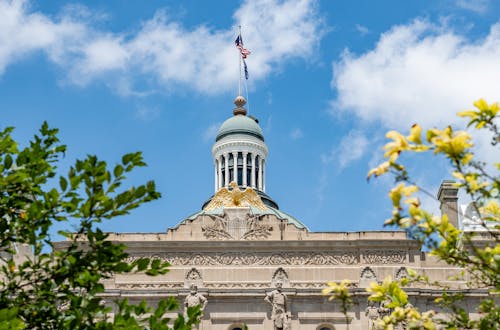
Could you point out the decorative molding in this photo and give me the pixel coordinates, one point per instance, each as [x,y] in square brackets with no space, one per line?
[368,274]
[150,285]
[282,276]
[253,259]
[384,257]
[401,273]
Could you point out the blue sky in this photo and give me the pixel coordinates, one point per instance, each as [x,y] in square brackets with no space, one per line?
[327,79]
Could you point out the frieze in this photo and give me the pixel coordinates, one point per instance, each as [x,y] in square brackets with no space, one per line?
[217,285]
[384,257]
[149,285]
[254,259]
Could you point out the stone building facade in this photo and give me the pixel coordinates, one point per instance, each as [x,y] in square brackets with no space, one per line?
[241,246]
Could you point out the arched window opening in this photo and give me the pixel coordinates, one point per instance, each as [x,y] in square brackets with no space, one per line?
[325,327]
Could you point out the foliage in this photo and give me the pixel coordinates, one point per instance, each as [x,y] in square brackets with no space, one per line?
[62,289]
[481,182]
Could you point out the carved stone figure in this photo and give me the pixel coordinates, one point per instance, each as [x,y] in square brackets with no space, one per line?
[384,310]
[372,313]
[277,299]
[195,299]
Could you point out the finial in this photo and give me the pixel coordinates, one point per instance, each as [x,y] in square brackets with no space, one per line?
[240,101]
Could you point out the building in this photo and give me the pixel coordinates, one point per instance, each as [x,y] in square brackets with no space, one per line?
[240,246]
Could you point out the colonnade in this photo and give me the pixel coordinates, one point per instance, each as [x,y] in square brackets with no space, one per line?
[246,168]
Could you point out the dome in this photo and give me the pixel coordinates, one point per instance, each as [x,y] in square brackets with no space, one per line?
[240,124]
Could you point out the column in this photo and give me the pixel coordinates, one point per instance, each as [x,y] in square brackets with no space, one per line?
[219,173]
[253,171]
[263,175]
[226,163]
[244,169]
[216,179]
[260,173]
[235,167]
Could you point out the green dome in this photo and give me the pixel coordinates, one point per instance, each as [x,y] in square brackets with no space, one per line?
[240,124]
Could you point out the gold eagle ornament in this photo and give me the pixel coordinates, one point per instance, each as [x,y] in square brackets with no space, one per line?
[235,198]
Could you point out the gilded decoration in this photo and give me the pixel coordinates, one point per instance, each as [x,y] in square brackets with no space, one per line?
[235,198]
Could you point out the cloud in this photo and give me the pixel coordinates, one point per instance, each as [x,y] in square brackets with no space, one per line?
[351,148]
[418,73]
[147,113]
[296,134]
[363,30]
[478,6]
[162,52]
[211,132]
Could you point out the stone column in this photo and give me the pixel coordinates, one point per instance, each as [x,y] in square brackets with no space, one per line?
[226,163]
[261,161]
[263,175]
[448,197]
[216,179]
[244,169]
[253,171]
[235,167]
[219,173]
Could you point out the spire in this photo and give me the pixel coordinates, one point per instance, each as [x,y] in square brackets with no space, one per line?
[239,101]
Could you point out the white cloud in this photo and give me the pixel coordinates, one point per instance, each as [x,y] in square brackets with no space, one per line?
[147,113]
[363,30]
[351,148]
[296,134]
[211,132]
[418,73]
[478,6]
[163,51]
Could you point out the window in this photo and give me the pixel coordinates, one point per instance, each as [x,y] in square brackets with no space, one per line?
[325,327]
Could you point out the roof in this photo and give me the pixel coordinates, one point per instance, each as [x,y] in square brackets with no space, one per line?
[240,124]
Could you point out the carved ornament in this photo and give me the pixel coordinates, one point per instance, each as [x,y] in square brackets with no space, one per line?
[384,257]
[235,198]
[255,259]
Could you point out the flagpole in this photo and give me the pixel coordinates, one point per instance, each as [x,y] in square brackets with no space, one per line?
[239,62]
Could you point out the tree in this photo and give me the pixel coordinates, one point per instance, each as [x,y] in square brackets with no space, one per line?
[47,289]
[481,182]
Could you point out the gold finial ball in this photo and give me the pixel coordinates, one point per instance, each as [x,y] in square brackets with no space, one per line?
[240,101]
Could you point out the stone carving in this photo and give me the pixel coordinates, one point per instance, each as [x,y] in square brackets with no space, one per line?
[384,257]
[278,300]
[368,274]
[383,309]
[255,229]
[401,273]
[280,276]
[218,229]
[217,285]
[193,277]
[255,259]
[194,299]
[239,228]
[235,198]
[150,285]
[372,312]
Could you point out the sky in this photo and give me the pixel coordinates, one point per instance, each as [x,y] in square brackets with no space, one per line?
[327,79]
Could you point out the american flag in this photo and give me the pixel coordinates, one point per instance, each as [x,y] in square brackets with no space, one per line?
[239,44]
